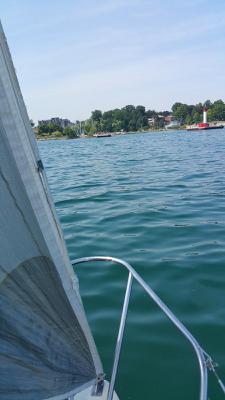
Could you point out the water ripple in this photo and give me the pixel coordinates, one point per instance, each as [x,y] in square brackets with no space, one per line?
[156,200]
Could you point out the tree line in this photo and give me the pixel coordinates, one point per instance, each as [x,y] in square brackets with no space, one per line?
[131,118]
[56,130]
[189,114]
[128,118]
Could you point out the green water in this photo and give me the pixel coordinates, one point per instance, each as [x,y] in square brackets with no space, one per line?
[156,200]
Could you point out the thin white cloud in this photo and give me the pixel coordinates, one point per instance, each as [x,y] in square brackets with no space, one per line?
[77,56]
[152,84]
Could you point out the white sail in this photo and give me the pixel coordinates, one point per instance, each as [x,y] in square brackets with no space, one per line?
[46,347]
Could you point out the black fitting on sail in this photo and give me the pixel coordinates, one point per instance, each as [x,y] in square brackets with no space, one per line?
[40,165]
[98,386]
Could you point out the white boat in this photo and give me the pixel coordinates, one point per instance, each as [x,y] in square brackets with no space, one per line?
[47,351]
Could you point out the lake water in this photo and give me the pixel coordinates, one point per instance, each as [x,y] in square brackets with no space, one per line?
[156,200]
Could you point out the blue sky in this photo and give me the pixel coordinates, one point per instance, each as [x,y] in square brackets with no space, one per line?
[74,56]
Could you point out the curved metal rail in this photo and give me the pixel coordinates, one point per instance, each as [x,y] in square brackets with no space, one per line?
[203,359]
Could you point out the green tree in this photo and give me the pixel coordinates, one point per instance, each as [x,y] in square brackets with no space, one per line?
[210,115]
[189,120]
[181,111]
[96,115]
[207,104]
[159,123]
[197,117]
[199,108]
[175,106]
[129,109]
[140,110]
[70,132]
[57,134]
[151,114]
[116,126]
[218,111]
[89,127]
[43,128]
[54,127]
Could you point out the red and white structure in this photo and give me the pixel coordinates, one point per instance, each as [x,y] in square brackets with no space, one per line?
[203,125]
[205,109]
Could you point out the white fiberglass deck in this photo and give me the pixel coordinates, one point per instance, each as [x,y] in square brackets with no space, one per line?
[87,394]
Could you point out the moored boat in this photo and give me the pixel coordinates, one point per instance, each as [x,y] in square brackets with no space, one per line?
[102,135]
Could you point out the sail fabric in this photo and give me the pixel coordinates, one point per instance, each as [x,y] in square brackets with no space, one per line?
[46,347]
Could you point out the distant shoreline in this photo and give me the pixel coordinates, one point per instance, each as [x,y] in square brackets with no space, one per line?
[83,136]
[49,138]
[44,138]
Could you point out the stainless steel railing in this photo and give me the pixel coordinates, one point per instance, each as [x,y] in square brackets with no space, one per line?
[204,360]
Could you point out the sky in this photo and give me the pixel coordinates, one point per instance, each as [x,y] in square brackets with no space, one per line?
[74,56]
